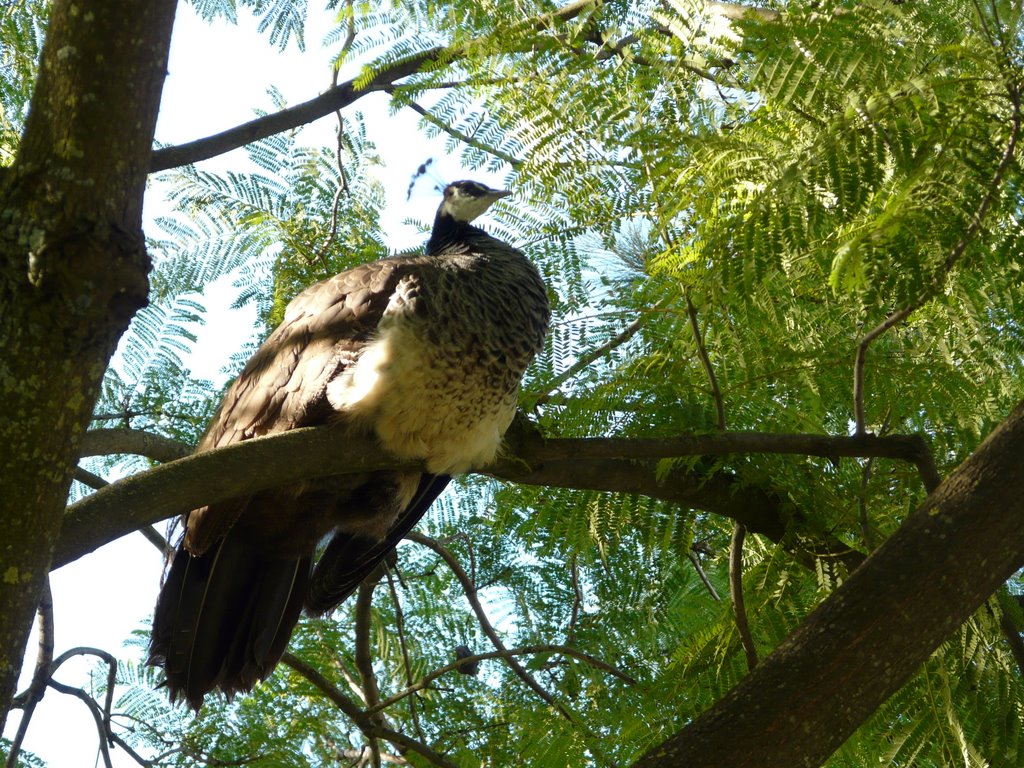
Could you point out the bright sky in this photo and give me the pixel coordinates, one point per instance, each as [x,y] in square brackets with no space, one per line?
[217,75]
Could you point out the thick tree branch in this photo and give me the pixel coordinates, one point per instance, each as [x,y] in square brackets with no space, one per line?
[825,679]
[604,464]
[73,270]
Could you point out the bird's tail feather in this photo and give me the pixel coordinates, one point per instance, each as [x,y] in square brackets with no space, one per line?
[223,619]
[347,559]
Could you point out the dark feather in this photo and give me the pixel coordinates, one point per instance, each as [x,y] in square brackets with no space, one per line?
[347,559]
[223,618]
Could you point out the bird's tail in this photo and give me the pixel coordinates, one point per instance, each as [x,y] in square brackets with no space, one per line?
[223,619]
[347,559]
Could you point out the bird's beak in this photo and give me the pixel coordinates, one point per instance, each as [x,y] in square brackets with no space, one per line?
[497,194]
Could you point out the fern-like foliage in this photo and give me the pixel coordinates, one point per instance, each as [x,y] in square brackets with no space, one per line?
[22,25]
[781,183]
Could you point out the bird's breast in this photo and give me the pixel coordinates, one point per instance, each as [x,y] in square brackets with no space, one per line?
[425,400]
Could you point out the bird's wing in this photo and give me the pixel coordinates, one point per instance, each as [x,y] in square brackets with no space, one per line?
[348,559]
[283,385]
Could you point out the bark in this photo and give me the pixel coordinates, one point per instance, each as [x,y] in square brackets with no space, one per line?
[601,464]
[72,271]
[866,640]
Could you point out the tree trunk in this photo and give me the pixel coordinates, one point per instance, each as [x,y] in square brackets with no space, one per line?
[73,271]
[866,640]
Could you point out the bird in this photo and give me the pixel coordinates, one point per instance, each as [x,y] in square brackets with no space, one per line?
[423,353]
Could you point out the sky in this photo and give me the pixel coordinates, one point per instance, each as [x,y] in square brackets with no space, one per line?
[218,74]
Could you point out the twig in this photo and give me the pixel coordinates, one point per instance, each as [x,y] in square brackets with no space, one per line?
[705,361]
[527,650]
[585,360]
[41,674]
[951,259]
[577,598]
[703,576]
[455,133]
[470,590]
[736,590]
[400,627]
[320,253]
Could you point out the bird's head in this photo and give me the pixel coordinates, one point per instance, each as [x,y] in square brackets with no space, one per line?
[465,200]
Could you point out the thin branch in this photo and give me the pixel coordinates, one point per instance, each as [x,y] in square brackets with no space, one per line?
[334,99]
[736,591]
[406,660]
[400,740]
[470,591]
[695,561]
[951,260]
[705,361]
[526,650]
[41,674]
[330,690]
[97,716]
[360,718]
[85,477]
[357,756]
[455,133]
[585,360]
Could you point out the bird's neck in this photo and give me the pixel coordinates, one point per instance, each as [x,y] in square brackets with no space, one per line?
[448,230]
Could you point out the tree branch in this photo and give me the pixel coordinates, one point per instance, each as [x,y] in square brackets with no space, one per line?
[334,99]
[736,591]
[951,260]
[705,361]
[470,590]
[110,442]
[364,656]
[595,354]
[965,540]
[526,650]
[604,464]
[358,716]
[40,676]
